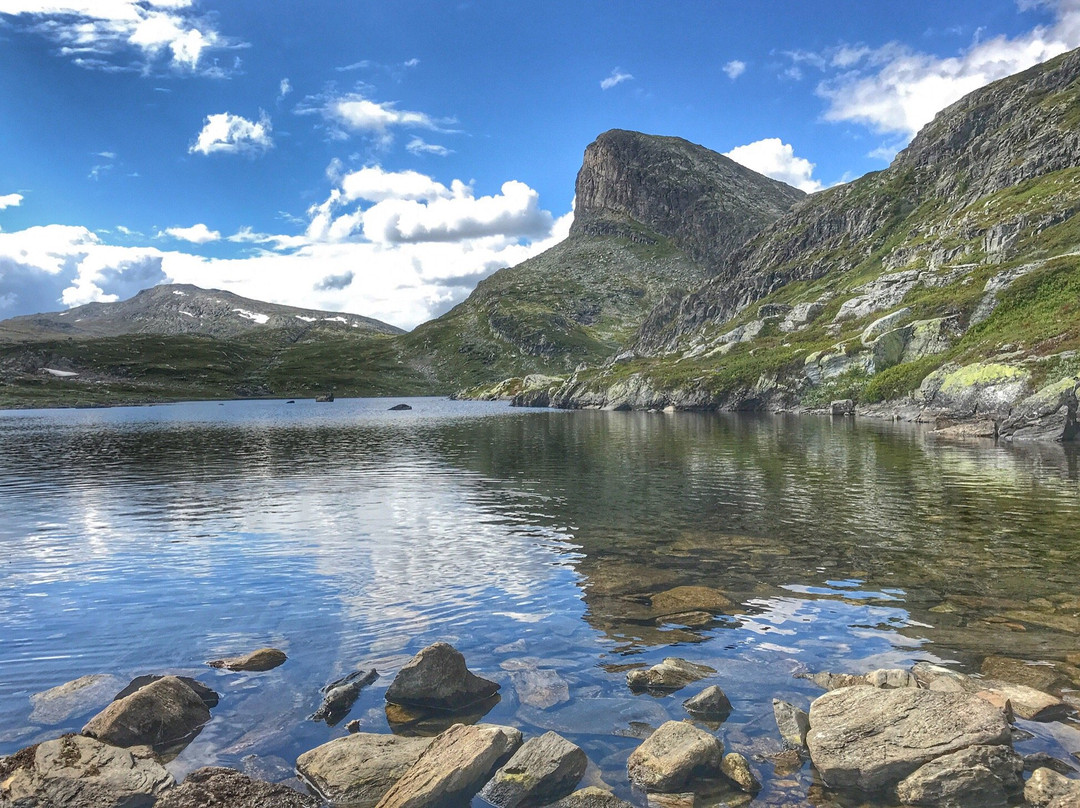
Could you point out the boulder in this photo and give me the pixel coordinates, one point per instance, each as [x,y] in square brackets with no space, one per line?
[438,678]
[672,756]
[801,315]
[975,777]
[834,681]
[891,678]
[592,797]
[843,406]
[1046,415]
[165,713]
[1045,785]
[208,696]
[868,738]
[216,787]
[1027,702]
[711,703]
[359,769]
[543,770]
[883,324]
[453,768]
[340,696]
[670,675]
[59,703]
[400,408]
[987,388]
[78,772]
[792,722]
[736,768]
[690,599]
[263,659]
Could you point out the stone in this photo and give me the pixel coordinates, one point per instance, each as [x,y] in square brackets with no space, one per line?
[1049,414]
[690,599]
[868,738]
[359,769]
[1027,702]
[801,315]
[736,768]
[429,722]
[844,406]
[208,696]
[263,659]
[543,770]
[78,772]
[883,324]
[942,679]
[769,311]
[1042,760]
[540,688]
[400,408]
[672,756]
[792,722]
[834,681]
[671,674]
[453,768]
[216,787]
[990,389]
[437,677]
[340,696]
[1017,671]
[591,797]
[1000,701]
[975,777]
[59,703]
[891,678]
[163,714]
[1045,785]
[710,703]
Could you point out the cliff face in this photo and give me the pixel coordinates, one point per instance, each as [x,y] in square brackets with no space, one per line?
[704,202]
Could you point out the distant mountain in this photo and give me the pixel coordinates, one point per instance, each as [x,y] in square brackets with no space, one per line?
[174,309]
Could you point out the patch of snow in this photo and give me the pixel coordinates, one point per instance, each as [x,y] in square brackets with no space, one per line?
[186,313]
[335,320]
[63,374]
[250,315]
[178,292]
[65,313]
[305,319]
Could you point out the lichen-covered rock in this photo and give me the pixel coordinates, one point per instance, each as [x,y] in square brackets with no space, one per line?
[216,787]
[987,388]
[263,659]
[711,703]
[543,770]
[867,738]
[736,768]
[165,713]
[672,756]
[1047,415]
[359,769]
[670,675]
[792,722]
[887,323]
[437,677]
[975,777]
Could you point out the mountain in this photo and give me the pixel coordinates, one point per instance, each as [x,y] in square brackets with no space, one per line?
[946,282]
[173,309]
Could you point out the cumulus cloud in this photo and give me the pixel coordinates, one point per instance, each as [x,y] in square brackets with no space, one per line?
[122,34]
[196,234]
[774,158]
[10,201]
[895,89]
[617,77]
[418,147]
[354,113]
[734,69]
[225,133]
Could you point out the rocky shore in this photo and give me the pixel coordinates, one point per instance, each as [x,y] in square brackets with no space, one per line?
[925,736]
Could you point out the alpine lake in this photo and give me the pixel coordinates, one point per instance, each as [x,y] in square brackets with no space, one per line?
[144,540]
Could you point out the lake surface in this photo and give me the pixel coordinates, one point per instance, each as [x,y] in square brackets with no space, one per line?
[149,540]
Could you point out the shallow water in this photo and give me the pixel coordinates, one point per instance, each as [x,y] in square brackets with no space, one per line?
[143,540]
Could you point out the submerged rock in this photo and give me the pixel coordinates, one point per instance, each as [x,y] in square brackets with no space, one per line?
[736,768]
[543,770]
[792,722]
[976,777]
[61,702]
[672,756]
[359,769]
[711,703]
[216,787]
[438,678]
[671,674]
[683,599]
[165,713]
[263,659]
[341,695]
[540,688]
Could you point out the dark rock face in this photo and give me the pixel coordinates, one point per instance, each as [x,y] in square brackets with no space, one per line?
[438,678]
[341,695]
[707,204]
[214,787]
[162,714]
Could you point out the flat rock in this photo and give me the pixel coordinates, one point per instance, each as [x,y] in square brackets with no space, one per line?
[1027,702]
[592,797]
[453,768]
[672,756]
[79,772]
[670,675]
[1045,786]
[975,777]
[710,703]
[437,677]
[59,703]
[263,659]
[868,738]
[543,770]
[359,769]
[539,687]
[162,714]
[1018,671]
[792,722]
[215,787]
[736,768]
[691,599]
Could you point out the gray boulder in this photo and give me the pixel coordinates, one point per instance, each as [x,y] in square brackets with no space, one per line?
[215,787]
[543,770]
[1045,786]
[1047,415]
[453,768]
[359,769]
[263,659]
[163,714]
[78,772]
[792,722]
[868,738]
[891,678]
[711,703]
[438,678]
[672,756]
[843,406]
[591,797]
[976,777]
[670,675]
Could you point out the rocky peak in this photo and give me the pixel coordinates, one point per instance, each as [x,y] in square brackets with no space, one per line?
[707,204]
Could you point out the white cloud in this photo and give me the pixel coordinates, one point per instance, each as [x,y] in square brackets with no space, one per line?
[230,134]
[418,146]
[102,34]
[196,234]
[284,88]
[734,69]
[896,89]
[10,201]
[617,77]
[353,113]
[774,158]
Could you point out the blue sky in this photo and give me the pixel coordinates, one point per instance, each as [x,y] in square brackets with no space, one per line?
[383,157]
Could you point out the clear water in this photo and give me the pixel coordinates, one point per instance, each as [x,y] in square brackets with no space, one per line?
[148,540]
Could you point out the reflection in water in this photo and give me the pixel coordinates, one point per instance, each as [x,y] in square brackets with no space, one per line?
[151,539]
